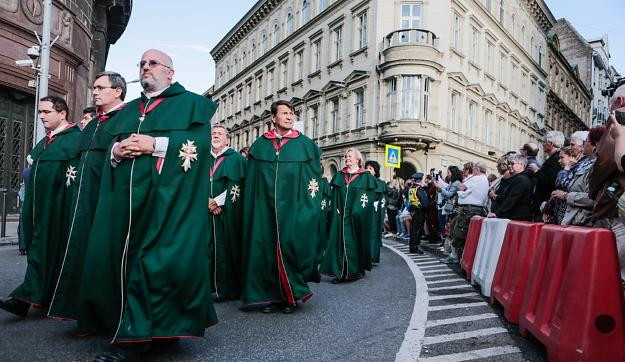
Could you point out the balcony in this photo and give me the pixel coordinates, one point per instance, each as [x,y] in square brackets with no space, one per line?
[408,47]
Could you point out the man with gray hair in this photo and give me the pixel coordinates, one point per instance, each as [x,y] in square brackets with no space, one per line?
[545,176]
[472,198]
[515,205]
[577,142]
[225,211]
[109,91]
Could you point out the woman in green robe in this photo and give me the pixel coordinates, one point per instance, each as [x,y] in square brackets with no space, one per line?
[348,253]
[380,209]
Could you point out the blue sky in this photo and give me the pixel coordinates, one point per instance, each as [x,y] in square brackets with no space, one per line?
[188,32]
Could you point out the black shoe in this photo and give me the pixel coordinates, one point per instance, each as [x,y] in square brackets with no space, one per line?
[15,306]
[287,308]
[336,281]
[417,251]
[129,353]
[270,308]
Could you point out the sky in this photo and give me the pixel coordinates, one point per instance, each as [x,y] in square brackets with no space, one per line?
[188,33]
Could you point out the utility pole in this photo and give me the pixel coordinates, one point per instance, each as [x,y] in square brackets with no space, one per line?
[45,64]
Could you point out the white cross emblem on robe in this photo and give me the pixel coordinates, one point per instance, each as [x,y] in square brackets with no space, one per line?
[323,204]
[70,175]
[364,200]
[188,154]
[313,187]
[235,192]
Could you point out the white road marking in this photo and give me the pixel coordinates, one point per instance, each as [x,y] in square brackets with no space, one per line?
[452,296]
[456,306]
[471,355]
[467,318]
[463,335]
[451,287]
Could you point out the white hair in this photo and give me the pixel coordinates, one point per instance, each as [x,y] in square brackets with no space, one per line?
[619,92]
[480,166]
[555,137]
[357,153]
[579,137]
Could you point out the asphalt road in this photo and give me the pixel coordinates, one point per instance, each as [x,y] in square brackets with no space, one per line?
[362,320]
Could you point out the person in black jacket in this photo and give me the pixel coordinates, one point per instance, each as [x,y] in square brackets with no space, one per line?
[515,204]
[395,201]
[545,176]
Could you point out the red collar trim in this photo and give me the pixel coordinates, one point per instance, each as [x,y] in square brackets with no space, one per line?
[345,170]
[272,135]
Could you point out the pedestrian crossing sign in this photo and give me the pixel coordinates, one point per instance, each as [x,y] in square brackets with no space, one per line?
[392,156]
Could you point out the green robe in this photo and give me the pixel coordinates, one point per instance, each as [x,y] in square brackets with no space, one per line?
[46,213]
[281,218]
[225,229]
[94,144]
[348,253]
[376,237]
[147,270]
[326,208]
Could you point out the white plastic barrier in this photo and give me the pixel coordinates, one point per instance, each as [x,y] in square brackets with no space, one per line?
[487,255]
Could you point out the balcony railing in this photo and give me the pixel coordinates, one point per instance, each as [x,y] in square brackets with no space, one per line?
[410,37]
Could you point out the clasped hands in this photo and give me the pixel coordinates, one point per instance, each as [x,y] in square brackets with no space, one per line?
[134,146]
[213,207]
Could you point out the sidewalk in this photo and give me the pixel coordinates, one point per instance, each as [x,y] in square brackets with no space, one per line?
[11,233]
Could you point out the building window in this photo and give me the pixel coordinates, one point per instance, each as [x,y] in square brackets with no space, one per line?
[254,54]
[314,116]
[391,98]
[489,5]
[453,116]
[316,55]
[410,19]
[502,67]
[410,97]
[360,107]
[299,65]
[362,30]
[289,23]
[338,43]
[259,88]
[514,25]
[305,11]
[532,47]
[488,127]
[322,5]
[502,133]
[239,104]
[501,13]
[265,43]
[490,55]
[426,98]
[276,34]
[540,55]
[475,46]
[270,82]
[244,59]
[334,115]
[284,73]
[456,40]
[472,121]
[248,94]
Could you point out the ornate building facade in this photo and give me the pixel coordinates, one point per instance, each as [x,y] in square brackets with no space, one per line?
[85,29]
[568,99]
[448,81]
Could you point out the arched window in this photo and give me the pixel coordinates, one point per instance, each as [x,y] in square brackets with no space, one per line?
[254,53]
[265,43]
[501,13]
[244,59]
[513,25]
[289,23]
[532,47]
[276,34]
[540,55]
[305,12]
[322,5]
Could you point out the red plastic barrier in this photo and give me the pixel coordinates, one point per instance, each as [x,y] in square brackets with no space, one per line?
[574,300]
[514,266]
[470,245]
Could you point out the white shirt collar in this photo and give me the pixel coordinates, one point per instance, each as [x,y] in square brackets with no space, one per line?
[220,152]
[354,169]
[114,108]
[275,131]
[155,94]
[60,129]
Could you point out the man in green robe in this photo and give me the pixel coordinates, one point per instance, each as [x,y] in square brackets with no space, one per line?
[379,205]
[281,217]
[46,206]
[109,90]
[225,204]
[148,275]
[326,211]
[348,253]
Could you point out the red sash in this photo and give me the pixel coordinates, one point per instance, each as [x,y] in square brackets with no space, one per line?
[217,163]
[56,135]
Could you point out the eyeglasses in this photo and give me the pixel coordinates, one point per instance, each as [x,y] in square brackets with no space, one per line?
[100,88]
[151,63]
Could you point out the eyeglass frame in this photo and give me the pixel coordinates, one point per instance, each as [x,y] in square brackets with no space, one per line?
[152,64]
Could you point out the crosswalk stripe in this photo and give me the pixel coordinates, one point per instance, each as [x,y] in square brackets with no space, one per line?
[441,275]
[446,281]
[452,296]
[431,267]
[463,335]
[430,273]
[467,318]
[456,306]
[451,287]
[470,355]
[427,262]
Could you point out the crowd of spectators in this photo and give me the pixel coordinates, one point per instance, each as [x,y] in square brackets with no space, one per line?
[580,182]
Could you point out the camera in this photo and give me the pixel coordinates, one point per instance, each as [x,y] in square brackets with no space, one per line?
[609,92]
[33,52]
